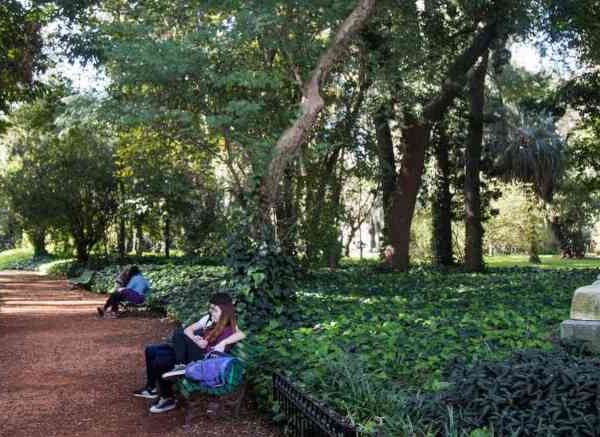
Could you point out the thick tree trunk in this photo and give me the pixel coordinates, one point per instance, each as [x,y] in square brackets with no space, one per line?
[415,139]
[38,240]
[81,247]
[311,105]
[442,203]
[474,228]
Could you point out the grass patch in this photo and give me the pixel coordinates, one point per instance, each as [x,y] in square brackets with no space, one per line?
[10,259]
[548,262]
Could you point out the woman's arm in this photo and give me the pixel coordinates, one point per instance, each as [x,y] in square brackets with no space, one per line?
[238,335]
[189,331]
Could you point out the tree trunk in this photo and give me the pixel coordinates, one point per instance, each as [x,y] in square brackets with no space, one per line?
[414,139]
[474,228]
[285,213]
[532,232]
[442,203]
[167,235]
[334,251]
[387,167]
[311,105]
[81,247]
[138,237]
[416,136]
[38,240]
[121,237]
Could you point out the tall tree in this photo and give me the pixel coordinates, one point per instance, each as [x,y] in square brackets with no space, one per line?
[473,226]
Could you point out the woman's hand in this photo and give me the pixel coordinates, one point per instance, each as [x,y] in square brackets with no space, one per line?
[200,341]
[219,347]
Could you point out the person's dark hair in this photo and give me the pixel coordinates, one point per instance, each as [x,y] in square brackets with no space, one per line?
[223,301]
[220,299]
[134,270]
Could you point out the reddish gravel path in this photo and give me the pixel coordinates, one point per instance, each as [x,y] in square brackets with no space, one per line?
[63,372]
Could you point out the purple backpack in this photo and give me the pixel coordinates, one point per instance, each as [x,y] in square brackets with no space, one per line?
[211,371]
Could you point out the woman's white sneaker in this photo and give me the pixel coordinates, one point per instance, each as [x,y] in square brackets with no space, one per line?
[163,405]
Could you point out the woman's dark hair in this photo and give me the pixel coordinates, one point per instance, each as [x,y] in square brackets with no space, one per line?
[223,301]
[134,270]
[220,299]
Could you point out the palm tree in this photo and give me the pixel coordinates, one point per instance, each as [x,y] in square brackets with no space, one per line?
[526,148]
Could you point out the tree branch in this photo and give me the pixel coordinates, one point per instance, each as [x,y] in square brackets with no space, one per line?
[312,102]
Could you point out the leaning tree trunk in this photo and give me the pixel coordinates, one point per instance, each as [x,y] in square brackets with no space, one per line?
[442,203]
[311,105]
[473,226]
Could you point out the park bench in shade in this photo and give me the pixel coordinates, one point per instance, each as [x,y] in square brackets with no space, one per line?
[199,399]
[305,417]
[82,281]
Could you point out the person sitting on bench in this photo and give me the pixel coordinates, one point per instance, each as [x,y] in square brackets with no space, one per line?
[134,291]
[216,331]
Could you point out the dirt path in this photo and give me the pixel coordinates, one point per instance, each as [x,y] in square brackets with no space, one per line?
[66,373]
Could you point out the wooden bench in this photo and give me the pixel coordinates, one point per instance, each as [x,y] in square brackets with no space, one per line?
[82,281]
[199,400]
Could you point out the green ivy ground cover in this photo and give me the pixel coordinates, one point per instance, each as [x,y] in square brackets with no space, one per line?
[399,332]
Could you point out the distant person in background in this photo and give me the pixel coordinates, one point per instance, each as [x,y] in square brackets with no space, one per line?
[131,287]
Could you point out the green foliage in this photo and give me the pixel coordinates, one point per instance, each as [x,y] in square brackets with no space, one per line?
[262,277]
[23,259]
[20,50]
[532,393]
[12,259]
[408,328]
[181,290]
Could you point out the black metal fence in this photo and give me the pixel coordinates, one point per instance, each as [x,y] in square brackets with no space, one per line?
[304,416]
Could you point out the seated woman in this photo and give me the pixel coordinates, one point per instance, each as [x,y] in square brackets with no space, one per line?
[217,331]
[134,291]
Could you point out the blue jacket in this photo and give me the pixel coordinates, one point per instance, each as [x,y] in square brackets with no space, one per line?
[139,284]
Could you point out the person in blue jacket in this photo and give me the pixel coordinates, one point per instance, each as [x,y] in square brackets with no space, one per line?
[135,291]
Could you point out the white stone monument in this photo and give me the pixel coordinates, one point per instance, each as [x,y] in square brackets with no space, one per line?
[585,316]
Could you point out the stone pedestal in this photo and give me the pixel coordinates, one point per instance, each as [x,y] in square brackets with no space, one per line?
[585,330]
[585,317]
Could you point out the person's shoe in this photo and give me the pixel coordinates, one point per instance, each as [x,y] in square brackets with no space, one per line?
[163,405]
[177,372]
[111,315]
[147,393]
[100,312]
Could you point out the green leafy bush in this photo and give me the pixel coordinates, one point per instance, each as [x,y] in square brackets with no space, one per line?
[533,393]
[262,277]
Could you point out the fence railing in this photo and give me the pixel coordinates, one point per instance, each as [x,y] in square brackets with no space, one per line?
[304,416]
